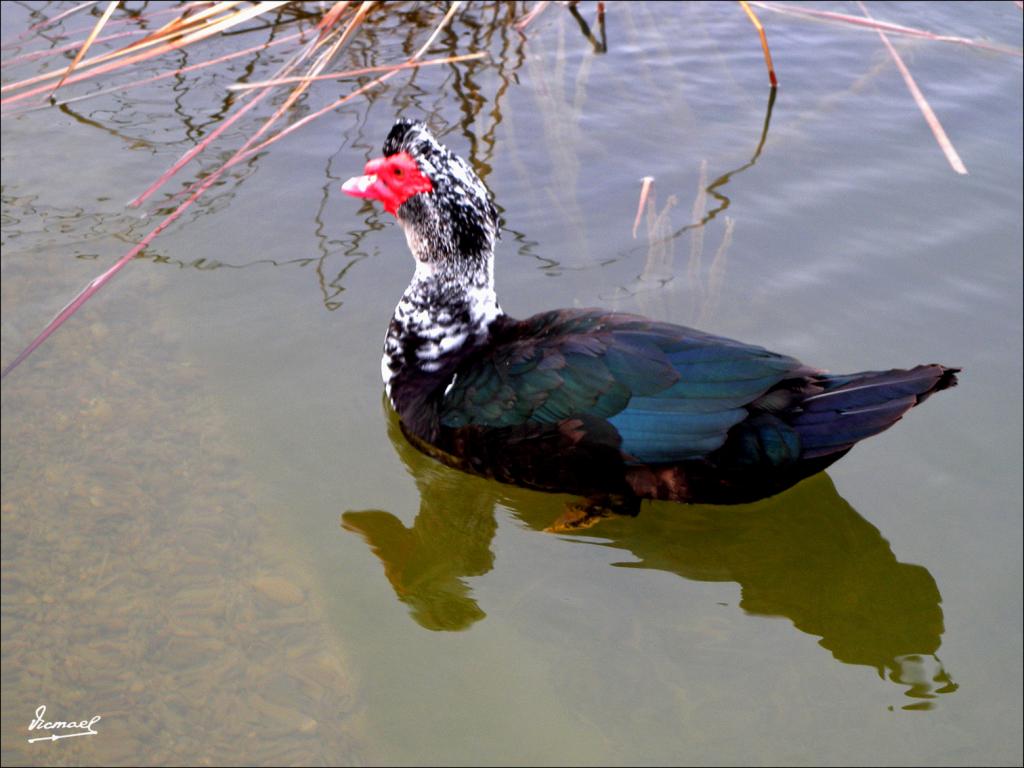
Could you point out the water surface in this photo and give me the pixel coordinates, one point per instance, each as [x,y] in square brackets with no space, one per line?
[215,537]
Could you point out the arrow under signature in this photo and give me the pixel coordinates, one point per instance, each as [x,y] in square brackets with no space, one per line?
[55,736]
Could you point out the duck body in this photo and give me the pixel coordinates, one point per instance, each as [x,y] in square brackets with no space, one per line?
[587,401]
[591,402]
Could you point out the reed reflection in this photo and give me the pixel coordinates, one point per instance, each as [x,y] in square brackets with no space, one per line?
[805,555]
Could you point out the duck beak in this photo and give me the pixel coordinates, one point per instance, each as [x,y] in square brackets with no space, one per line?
[361,186]
[371,187]
[368,185]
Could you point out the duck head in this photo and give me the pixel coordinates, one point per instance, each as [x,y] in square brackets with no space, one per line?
[443,206]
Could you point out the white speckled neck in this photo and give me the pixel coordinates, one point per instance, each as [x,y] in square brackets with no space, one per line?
[451,230]
[436,316]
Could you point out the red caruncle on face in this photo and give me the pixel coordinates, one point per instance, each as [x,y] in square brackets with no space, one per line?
[390,180]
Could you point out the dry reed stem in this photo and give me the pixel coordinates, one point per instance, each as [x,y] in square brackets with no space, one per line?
[332,15]
[166,9]
[111,7]
[59,16]
[182,70]
[187,19]
[330,107]
[929,115]
[318,65]
[355,72]
[174,40]
[324,36]
[764,44]
[62,49]
[247,151]
[645,190]
[872,23]
[197,190]
[92,287]
[16,41]
[198,148]
[536,11]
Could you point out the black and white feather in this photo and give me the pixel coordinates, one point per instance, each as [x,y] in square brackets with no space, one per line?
[451,233]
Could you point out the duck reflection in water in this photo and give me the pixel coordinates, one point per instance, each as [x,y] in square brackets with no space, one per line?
[804,554]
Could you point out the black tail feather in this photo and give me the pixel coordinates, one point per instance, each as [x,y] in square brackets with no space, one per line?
[860,405]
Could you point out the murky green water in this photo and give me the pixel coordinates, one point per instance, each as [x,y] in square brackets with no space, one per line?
[215,537]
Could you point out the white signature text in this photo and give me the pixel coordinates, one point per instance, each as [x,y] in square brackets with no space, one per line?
[40,723]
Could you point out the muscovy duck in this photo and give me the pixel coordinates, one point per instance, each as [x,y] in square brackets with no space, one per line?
[610,406]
